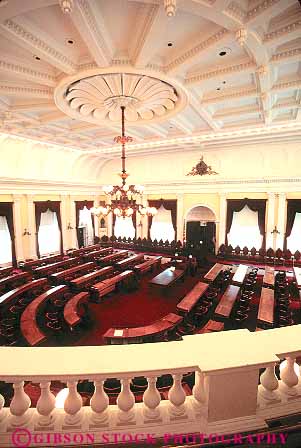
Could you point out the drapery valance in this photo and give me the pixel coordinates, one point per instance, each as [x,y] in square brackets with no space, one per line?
[168,204]
[42,207]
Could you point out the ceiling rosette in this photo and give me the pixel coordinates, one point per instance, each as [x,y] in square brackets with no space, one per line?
[99,97]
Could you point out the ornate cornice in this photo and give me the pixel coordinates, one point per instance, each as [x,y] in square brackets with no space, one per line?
[287,85]
[43,78]
[231,95]
[22,33]
[212,40]
[103,46]
[259,9]
[198,77]
[285,55]
[282,31]
[27,91]
[235,11]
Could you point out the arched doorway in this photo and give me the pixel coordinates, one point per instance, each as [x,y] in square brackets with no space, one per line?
[201,228]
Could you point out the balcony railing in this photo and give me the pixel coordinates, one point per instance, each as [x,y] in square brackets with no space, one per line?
[225,398]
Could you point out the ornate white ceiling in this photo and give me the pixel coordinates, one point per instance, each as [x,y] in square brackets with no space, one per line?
[216,72]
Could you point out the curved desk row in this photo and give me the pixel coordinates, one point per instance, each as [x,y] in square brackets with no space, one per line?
[14,280]
[87,280]
[104,287]
[142,334]
[55,267]
[148,265]
[32,287]
[69,274]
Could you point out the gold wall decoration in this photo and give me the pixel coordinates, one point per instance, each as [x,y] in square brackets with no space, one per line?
[201,169]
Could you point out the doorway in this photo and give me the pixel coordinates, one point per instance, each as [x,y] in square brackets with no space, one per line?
[201,228]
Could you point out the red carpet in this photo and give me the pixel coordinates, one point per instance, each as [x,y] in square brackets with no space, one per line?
[137,308]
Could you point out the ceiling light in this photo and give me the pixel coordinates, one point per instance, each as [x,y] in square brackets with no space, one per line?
[70,41]
[170,44]
[224,82]
[37,58]
[123,197]
[222,53]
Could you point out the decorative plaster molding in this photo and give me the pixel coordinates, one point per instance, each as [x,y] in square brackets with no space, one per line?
[295,84]
[241,36]
[235,11]
[259,9]
[282,31]
[238,94]
[202,46]
[34,41]
[27,91]
[220,72]
[43,78]
[95,25]
[284,55]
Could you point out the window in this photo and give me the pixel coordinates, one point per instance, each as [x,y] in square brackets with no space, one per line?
[5,242]
[124,227]
[294,240]
[162,228]
[49,233]
[244,230]
[85,221]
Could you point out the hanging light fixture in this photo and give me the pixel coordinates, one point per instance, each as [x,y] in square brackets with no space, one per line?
[124,198]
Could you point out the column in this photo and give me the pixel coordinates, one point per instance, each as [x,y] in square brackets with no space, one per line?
[74,242]
[180,217]
[64,222]
[18,227]
[270,239]
[222,220]
[31,227]
[281,220]
[96,219]
[144,220]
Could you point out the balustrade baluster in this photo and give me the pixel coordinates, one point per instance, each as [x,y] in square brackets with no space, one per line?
[99,405]
[19,406]
[151,400]
[72,406]
[45,405]
[2,411]
[269,385]
[125,402]
[289,377]
[198,391]
[177,397]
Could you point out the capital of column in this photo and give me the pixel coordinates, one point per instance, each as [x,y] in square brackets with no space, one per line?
[17,197]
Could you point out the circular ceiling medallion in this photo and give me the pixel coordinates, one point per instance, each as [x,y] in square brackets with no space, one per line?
[98,98]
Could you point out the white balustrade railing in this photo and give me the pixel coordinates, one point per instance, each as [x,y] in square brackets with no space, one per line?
[228,394]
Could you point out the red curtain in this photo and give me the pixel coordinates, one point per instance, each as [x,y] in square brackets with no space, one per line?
[6,209]
[79,205]
[42,207]
[168,204]
[256,205]
[293,207]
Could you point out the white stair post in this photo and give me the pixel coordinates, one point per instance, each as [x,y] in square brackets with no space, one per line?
[19,406]
[45,405]
[268,386]
[151,400]
[72,406]
[99,405]
[177,397]
[125,402]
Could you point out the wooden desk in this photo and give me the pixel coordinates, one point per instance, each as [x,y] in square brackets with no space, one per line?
[147,265]
[69,274]
[214,271]
[240,274]
[227,301]
[269,277]
[96,254]
[9,298]
[138,334]
[29,325]
[212,326]
[127,262]
[86,280]
[71,309]
[4,272]
[297,272]
[167,278]
[29,265]
[14,280]
[266,306]
[191,299]
[83,250]
[103,287]
[111,259]
[54,267]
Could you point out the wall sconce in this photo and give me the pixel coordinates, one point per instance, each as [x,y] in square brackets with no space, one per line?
[69,227]
[275,230]
[26,232]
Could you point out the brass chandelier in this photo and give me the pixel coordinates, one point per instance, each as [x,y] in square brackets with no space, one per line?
[124,198]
